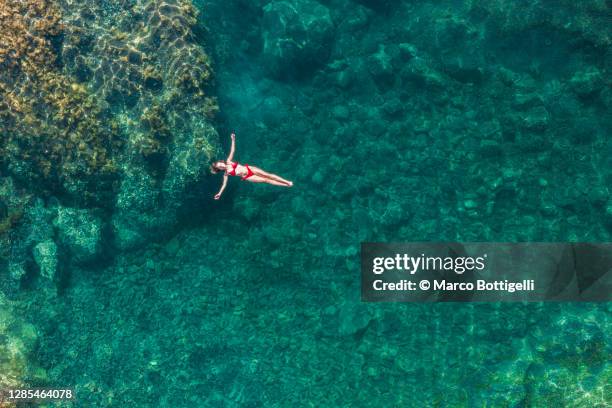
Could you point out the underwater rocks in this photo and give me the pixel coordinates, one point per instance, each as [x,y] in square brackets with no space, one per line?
[43,239]
[45,256]
[18,340]
[39,238]
[80,232]
[536,119]
[59,139]
[139,216]
[587,83]
[608,215]
[148,207]
[379,5]
[297,37]
[575,360]
[581,23]
[147,61]
[380,66]
[101,99]
[33,228]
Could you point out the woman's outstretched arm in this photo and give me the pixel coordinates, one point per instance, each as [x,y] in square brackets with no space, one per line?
[218,195]
[233,148]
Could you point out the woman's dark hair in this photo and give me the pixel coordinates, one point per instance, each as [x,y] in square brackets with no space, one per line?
[213,167]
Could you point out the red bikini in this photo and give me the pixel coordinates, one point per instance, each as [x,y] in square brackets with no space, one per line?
[233,172]
[249,172]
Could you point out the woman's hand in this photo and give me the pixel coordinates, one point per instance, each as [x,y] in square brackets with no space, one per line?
[217,196]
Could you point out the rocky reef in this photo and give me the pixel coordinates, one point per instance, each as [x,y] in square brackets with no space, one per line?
[105,131]
[143,60]
[104,108]
[18,341]
[297,37]
[57,137]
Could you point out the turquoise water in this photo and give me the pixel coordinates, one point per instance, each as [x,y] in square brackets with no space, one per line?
[122,278]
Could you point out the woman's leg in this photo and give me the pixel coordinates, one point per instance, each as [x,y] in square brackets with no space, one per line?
[272,176]
[258,179]
[278,183]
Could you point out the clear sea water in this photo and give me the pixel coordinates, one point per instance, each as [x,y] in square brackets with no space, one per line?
[414,121]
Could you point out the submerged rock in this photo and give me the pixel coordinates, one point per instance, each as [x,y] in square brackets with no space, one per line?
[45,256]
[353,318]
[380,66]
[297,37]
[16,270]
[101,92]
[379,5]
[419,72]
[148,207]
[587,83]
[18,340]
[32,228]
[608,215]
[80,232]
[536,119]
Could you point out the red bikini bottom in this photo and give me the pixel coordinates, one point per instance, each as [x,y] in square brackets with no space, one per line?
[249,172]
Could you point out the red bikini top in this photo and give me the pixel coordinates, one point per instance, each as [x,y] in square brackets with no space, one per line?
[233,172]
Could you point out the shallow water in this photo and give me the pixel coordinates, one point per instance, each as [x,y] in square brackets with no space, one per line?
[396,121]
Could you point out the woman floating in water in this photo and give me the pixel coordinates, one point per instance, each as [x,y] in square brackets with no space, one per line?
[246,172]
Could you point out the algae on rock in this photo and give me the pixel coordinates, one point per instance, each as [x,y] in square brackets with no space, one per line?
[101,99]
